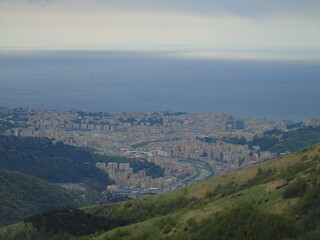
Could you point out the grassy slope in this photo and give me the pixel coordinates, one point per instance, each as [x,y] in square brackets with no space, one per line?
[264,196]
[22,195]
[172,215]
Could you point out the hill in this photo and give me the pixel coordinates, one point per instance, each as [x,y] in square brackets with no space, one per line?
[22,195]
[278,199]
[61,163]
[58,163]
[280,141]
[297,139]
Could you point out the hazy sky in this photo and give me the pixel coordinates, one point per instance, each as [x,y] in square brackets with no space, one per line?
[99,23]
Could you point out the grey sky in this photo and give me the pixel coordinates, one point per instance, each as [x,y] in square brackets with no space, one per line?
[228,23]
[238,7]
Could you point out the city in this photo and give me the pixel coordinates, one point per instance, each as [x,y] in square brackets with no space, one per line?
[188,147]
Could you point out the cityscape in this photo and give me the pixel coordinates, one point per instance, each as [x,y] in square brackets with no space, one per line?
[189,147]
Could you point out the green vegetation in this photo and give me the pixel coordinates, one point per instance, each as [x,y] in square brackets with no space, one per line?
[240,223]
[297,139]
[232,186]
[296,189]
[58,163]
[308,209]
[73,221]
[277,199]
[279,141]
[137,211]
[22,195]
[139,145]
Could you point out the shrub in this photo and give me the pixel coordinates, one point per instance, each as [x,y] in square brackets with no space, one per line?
[308,209]
[73,221]
[244,222]
[295,189]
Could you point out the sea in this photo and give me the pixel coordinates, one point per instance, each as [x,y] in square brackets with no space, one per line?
[147,81]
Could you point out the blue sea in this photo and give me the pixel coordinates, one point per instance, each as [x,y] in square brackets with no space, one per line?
[128,81]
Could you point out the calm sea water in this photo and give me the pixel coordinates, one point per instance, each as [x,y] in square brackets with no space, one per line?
[131,81]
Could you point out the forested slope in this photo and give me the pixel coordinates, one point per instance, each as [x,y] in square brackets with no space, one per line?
[22,196]
[61,163]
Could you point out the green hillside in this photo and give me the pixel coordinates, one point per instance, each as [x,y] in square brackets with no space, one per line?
[297,139]
[22,196]
[58,163]
[61,163]
[280,141]
[278,199]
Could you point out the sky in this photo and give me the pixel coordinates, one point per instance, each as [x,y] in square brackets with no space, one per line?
[78,24]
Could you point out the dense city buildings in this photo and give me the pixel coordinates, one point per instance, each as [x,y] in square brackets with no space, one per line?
[124,177]
[180,143]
